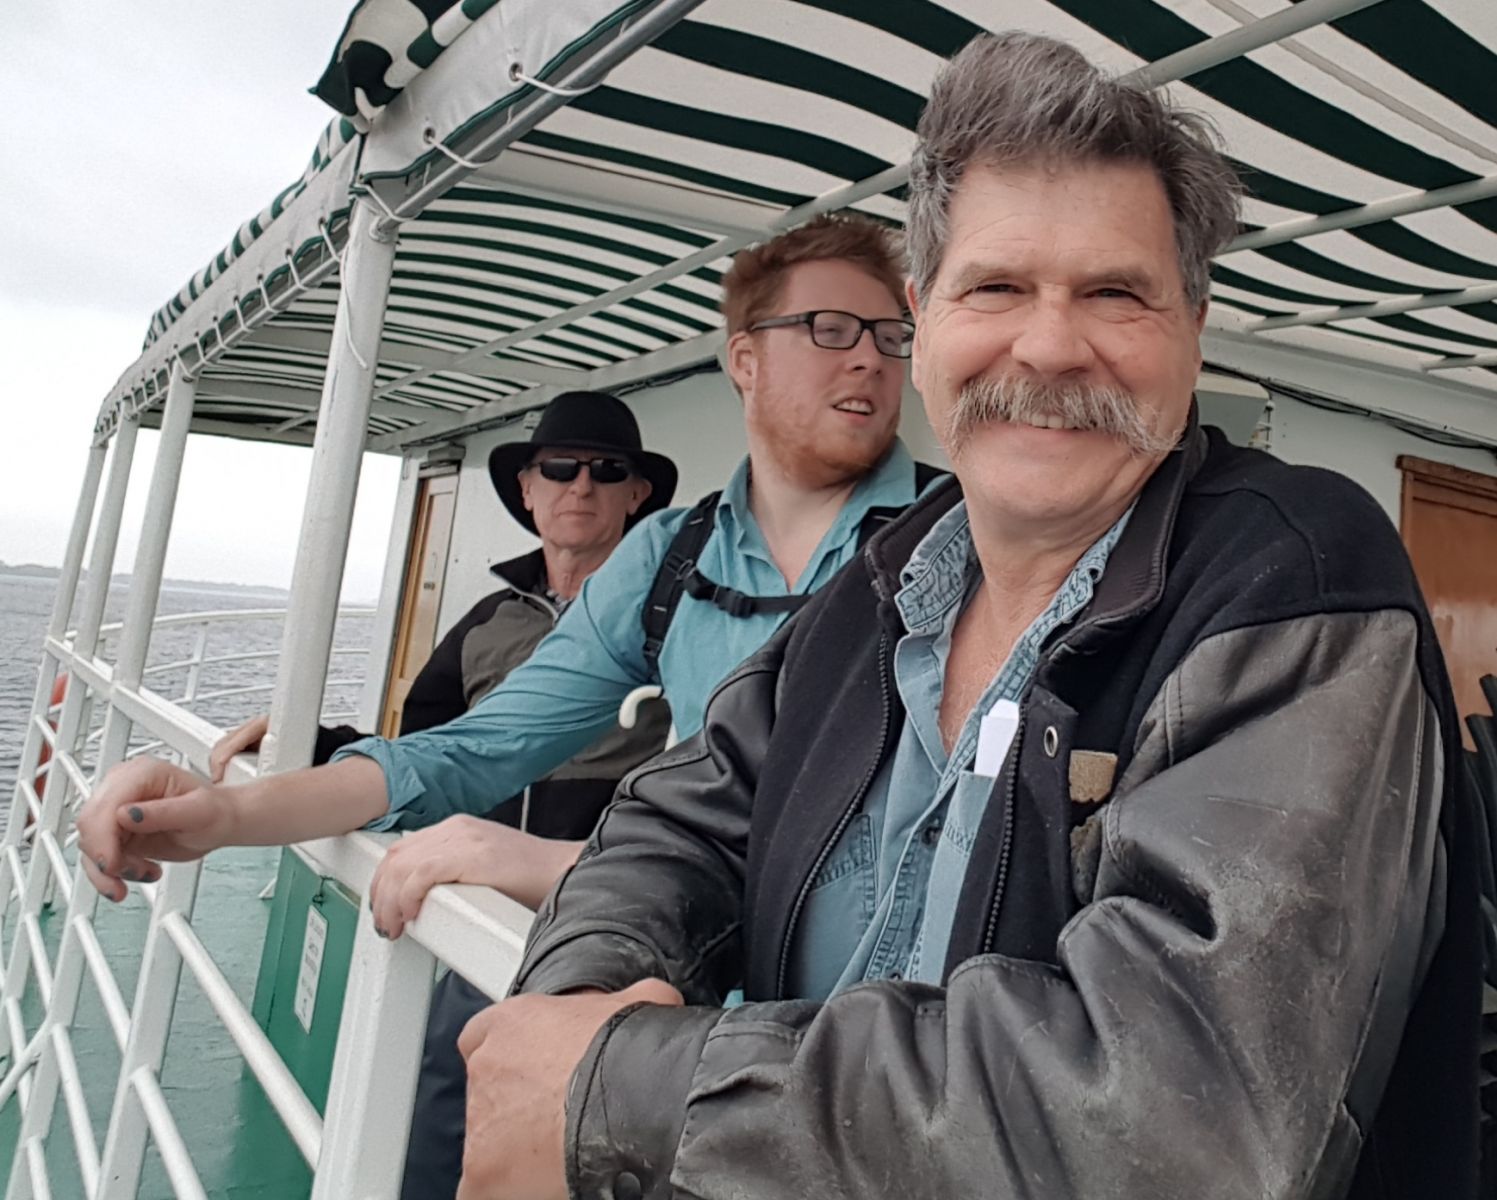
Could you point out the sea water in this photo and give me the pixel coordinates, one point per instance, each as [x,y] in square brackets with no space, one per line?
[26,609]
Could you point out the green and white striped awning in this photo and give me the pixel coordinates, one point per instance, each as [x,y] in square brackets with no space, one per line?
[585,248]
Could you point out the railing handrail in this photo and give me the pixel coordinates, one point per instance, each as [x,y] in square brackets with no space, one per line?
[182,664]
[476,931]
[223,616]
[198,659]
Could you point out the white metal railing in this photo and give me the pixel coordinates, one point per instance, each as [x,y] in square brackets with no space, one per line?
[203,624]
[475,930]
[358,1151]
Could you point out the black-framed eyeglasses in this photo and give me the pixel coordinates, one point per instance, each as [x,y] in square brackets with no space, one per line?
[600,470]
[832,329]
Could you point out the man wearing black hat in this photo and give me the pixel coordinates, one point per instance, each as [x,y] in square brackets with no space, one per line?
[579,483]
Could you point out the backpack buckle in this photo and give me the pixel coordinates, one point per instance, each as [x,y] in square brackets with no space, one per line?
[734,603]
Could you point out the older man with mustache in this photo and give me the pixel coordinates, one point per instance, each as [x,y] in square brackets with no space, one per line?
[1094,834]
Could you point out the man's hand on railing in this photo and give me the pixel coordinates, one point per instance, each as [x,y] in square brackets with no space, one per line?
[189,819]
[237,741]
[521,1055]
[464,849]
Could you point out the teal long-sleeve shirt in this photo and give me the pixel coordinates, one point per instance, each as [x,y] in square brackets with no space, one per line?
[568,692]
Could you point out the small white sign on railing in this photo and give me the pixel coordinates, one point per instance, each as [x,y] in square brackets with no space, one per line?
[311,966]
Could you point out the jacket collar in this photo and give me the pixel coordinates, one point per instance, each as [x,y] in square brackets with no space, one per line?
[525,574]
[1134,580]
[1135,575]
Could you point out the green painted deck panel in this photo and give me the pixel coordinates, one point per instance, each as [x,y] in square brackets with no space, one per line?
[237,1142]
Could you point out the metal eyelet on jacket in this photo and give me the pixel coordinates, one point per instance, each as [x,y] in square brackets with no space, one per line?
[1051,741]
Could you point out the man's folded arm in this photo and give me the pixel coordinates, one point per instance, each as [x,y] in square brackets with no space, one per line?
[1223,1010]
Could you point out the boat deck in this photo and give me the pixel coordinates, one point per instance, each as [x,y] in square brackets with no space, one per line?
[237,1143]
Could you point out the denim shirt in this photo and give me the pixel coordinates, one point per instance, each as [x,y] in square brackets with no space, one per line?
[883,904]
[568,692]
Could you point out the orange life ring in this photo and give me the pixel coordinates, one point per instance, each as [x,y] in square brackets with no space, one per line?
[59,690]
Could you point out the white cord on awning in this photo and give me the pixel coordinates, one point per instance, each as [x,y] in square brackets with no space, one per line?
[517,70]
[291,265]
[517,74]
[347,325]
[431,139]
[379,202]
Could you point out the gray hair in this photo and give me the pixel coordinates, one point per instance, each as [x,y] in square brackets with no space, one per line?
[1014,98]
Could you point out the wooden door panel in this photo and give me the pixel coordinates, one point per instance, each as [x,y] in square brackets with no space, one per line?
[421,599]
[1450,529]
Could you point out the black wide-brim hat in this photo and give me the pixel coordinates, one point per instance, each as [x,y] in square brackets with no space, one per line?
[592,421]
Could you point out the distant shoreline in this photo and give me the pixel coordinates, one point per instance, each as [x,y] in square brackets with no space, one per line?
[38,572]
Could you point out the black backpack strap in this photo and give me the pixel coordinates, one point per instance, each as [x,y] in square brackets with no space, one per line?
[739,604]
[670,580]
[678,572]
[876,518]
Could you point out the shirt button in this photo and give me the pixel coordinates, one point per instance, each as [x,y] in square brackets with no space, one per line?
[931,834]
[626,1186]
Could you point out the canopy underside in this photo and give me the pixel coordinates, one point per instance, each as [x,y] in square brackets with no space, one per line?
[589,252]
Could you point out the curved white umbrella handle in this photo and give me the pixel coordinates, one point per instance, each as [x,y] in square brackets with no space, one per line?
[629,709]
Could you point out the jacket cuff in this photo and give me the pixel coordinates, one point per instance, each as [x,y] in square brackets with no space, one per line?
[626,1106]
[599,959]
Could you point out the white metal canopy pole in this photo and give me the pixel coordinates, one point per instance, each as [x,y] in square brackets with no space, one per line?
[145,591]
[10,863]
[372,1093]
[1468,360]
[106,538]
[62,605]
[150,558]
[95,595]
[389,985]
[1382,308]
[342,424]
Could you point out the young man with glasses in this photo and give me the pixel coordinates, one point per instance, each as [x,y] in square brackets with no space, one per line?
[816,348]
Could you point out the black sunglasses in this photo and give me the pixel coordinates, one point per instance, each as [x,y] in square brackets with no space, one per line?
[601,470]
[834,330]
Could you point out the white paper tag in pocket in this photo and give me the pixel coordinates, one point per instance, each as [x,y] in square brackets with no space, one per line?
[994,736]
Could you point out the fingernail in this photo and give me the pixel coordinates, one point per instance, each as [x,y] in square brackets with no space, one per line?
[136,815]
[128,873]
[381,932]
[99,862]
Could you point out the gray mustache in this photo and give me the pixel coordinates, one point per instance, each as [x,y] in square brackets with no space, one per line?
[1109,410]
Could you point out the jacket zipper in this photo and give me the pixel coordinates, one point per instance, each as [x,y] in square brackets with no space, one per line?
[1062,649]
[542,603]
[1005,849]
[846,819]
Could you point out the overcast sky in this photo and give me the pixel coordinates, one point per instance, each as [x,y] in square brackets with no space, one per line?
[136,139]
